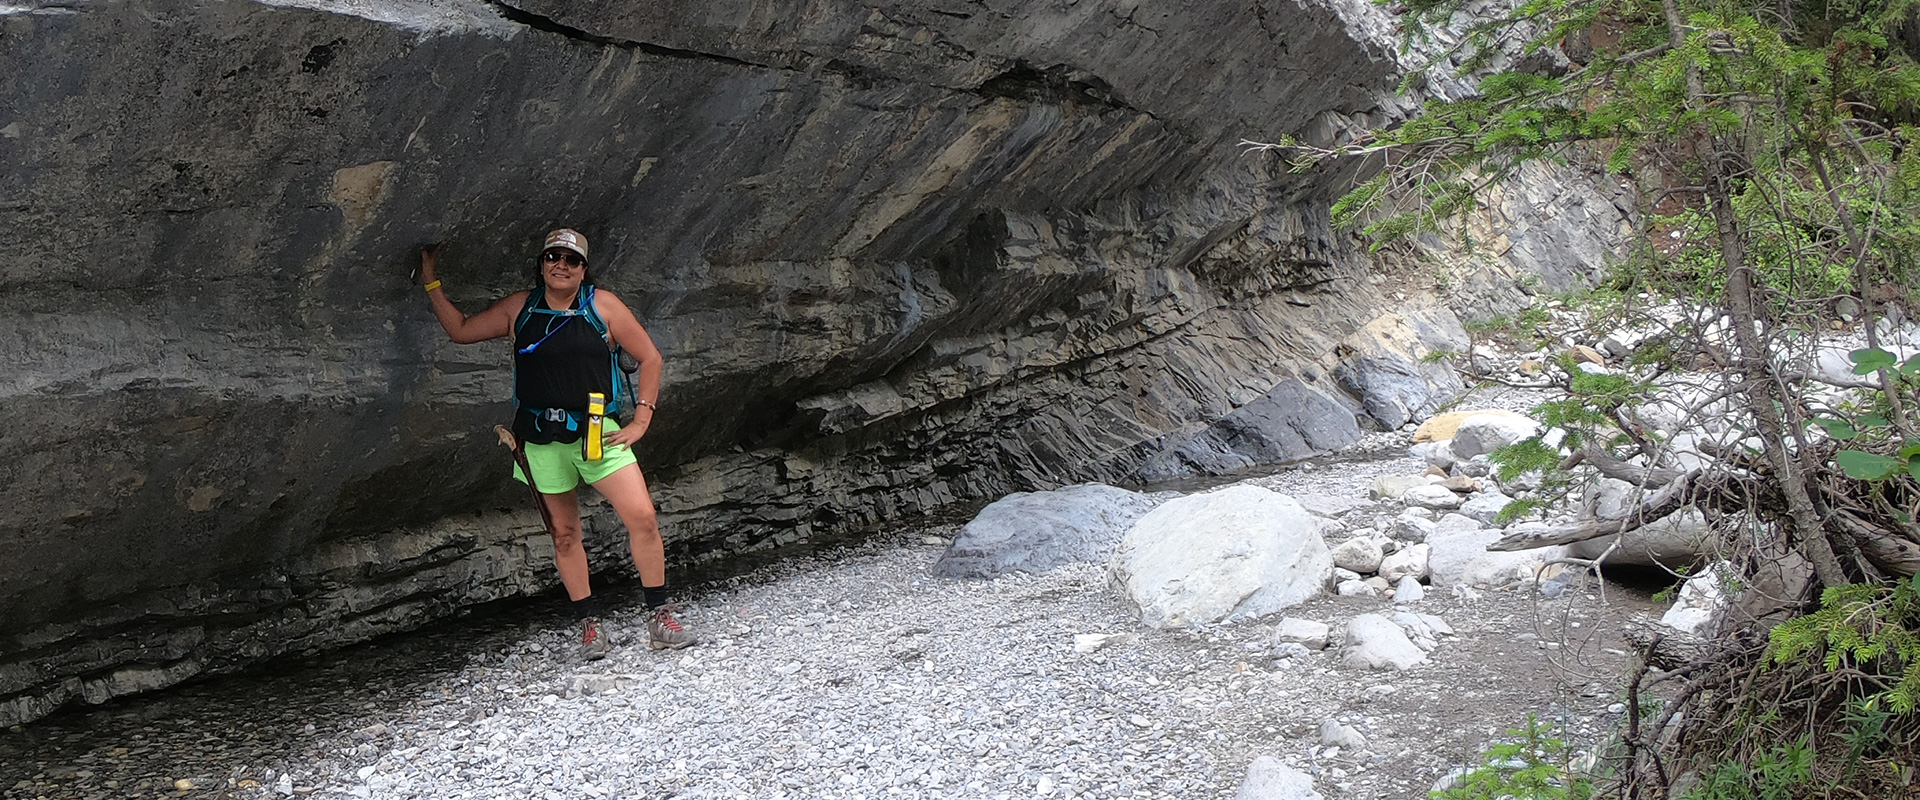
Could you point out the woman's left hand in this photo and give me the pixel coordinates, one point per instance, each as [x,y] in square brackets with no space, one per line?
[631,433]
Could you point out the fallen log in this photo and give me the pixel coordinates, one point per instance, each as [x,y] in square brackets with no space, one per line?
[1669,499]
[1889,551]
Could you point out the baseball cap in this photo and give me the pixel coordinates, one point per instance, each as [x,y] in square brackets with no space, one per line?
[567,239]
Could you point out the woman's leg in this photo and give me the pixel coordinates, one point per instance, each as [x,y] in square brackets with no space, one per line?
[568,553]
[626,489]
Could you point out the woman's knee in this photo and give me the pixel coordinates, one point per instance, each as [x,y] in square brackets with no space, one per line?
[566,535]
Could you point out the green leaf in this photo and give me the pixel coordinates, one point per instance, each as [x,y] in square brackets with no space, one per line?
[1868,359]
[1912,366]
[1913,467]
[1866,466]
[1874,421]
[1836,428]
[1912,449]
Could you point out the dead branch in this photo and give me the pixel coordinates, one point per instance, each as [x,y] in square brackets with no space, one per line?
[1663,503]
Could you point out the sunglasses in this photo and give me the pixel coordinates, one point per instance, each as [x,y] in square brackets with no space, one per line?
[572,259]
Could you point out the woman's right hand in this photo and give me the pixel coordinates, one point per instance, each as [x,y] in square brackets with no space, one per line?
[429,260]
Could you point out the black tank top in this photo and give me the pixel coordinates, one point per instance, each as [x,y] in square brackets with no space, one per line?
[558,373]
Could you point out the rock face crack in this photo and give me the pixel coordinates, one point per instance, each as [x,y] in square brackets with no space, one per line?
[548,24]
[1058,84]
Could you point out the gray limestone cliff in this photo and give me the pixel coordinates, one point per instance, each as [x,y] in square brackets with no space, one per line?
[900,257]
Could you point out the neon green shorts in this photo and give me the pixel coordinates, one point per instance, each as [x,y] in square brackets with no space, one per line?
[558,468]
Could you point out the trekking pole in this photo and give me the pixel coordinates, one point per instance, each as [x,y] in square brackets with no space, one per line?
[520,457]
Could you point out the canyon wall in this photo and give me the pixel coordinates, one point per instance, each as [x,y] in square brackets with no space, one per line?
[900,258]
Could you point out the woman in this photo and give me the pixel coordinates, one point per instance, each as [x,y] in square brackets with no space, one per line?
[561,354]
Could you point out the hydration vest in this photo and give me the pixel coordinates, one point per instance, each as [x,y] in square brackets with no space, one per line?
[621,364]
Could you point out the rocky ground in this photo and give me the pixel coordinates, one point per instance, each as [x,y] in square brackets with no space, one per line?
[856,674]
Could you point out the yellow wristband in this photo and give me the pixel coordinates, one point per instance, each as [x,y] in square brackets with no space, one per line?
[431,286]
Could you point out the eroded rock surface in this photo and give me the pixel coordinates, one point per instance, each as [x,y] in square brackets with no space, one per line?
[897,258]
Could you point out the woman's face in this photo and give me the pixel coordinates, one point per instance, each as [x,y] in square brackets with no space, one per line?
[562,269]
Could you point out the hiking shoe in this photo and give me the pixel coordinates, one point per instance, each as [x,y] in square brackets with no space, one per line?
[594,643]
[664,631]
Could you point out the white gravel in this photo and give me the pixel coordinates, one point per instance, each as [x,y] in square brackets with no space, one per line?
[856,674]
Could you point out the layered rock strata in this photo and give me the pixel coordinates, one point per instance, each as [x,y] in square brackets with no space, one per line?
[898,258]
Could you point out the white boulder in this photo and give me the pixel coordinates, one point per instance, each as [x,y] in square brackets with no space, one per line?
[1306,632]
[1239,552]
[1408,563]
[1269,779]
[1461,557]
[1431,496]
[1485,507]
[1375,642]
[1701,603]
[1485,433]
[1360,554]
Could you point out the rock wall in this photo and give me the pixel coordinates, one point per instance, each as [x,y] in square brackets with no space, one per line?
[898,258]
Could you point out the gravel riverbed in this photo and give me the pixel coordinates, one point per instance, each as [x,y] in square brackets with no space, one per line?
[855,674]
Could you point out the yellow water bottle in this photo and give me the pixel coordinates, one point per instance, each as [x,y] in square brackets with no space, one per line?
[596,419]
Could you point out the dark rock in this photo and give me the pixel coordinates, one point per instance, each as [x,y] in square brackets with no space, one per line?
[1037,531]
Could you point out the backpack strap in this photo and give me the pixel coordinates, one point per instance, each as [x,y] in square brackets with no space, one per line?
[620,380]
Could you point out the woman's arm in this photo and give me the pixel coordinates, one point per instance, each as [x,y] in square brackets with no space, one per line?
[626,332]
[492,323]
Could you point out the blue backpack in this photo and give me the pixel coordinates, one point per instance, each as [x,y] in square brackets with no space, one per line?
[622,364]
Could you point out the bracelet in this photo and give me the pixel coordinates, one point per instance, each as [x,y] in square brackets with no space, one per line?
[431,286]
[647,403]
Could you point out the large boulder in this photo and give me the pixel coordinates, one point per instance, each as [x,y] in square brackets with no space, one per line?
[1239,552]
[1484,433]
[1677,541]
[1037,531]
[1461,557]
[1388,369]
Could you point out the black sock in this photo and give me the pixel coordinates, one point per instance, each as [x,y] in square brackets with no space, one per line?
[656,596]
[586,608]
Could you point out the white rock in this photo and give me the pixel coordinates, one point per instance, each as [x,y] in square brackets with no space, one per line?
[1675,541]
[1701,603]
[1239,552]
[1303,631]
[1439,454]
[1269,779]
[1355,589]
[1342,575]
[1477,467]
[1461,557]
[1485,433]
[1456,523]
[1484,507]
[1330,506]
[1334,734]
[1375,642]
[1090,642]
[1359,554]
[1408,563]
[1385,486]
[1411,527]
[1430,496]
[1408,590]
[1380,585]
